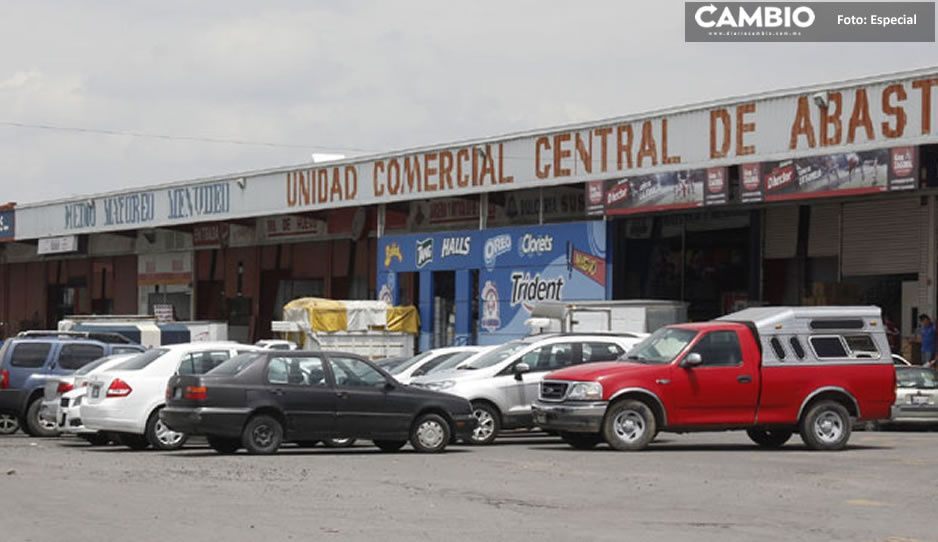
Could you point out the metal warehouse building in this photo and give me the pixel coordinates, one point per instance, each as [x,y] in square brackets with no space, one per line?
[816,195]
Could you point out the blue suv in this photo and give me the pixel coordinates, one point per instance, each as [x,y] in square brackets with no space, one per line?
[32,357]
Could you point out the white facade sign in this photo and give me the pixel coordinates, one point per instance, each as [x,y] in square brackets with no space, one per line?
[877,112]
[57,245]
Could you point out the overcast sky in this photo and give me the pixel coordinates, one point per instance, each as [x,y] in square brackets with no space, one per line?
[362,75]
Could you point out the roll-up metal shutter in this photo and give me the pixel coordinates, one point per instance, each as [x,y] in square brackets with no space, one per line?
[824,231]
[781,232]
[882,237]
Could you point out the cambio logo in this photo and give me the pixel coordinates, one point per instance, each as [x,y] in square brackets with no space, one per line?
[756,17]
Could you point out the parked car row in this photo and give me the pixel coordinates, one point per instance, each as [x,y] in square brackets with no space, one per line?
[769,371]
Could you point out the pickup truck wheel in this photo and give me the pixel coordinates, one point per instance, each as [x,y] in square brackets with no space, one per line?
[225,446]
[489,423]
[581,441]
[8,424]
[36,426]
[826,426]
[262,435]
[769,438]
[629,425]
[430,434]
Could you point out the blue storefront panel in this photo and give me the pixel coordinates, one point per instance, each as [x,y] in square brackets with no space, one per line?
[518,267]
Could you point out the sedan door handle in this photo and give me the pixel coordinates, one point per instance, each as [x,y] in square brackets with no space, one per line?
[341,394]
[278,391]
[744,379]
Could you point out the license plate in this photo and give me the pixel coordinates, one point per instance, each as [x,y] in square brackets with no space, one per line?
[919,399]
[95,391]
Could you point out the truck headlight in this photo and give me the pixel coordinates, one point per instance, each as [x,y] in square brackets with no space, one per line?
[586,391]
[439,386]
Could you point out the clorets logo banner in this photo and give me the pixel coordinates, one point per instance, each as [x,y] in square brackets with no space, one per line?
[809,21]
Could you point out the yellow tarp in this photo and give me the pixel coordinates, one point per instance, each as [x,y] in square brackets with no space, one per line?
[404,319]
[329,315]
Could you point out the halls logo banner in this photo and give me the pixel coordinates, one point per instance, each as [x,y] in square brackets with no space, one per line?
[845,174]
[517,267]
[809,21]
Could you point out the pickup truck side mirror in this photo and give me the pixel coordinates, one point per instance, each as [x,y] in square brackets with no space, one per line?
[520,369]
[691,360]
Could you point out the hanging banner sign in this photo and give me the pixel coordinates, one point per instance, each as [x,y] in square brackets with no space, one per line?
[843,174]
[685,189]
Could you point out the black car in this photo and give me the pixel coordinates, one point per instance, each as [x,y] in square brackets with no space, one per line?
[259,400]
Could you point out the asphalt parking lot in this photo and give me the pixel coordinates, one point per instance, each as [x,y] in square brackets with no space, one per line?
[685,487]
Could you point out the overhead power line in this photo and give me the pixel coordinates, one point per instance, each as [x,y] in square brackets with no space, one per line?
[126,133]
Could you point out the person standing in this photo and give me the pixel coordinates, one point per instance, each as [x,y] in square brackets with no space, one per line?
[926,332]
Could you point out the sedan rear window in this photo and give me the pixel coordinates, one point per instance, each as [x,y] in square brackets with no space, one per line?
[139,362]
[30,354]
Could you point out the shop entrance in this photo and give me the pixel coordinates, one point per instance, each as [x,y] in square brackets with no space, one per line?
[703,259]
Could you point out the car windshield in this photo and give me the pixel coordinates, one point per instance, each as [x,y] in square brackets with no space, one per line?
[496,356]
[142,360]
[452,362]
[408,363]
[662,346]
[917,378]
[235,365]
[389,363]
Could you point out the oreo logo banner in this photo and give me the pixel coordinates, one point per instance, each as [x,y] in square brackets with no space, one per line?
[518,268]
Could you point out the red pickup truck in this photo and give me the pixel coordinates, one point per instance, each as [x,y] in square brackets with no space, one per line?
[770,371]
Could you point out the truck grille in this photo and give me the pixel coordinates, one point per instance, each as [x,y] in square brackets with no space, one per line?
[553,391]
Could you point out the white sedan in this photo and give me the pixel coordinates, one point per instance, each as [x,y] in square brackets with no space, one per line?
[422,364]
[127,399]
[68,409]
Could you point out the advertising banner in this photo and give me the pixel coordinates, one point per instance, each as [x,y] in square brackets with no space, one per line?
[684,189]
[518,268]
[843,174]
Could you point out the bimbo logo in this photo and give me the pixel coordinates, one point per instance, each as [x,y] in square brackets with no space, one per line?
[754,17]
[491,319]
[495,247]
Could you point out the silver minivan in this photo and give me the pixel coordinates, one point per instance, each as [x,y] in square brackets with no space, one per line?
[503,383]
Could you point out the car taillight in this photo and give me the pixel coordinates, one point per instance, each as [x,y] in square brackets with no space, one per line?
[118,388]
[4,379]
[64,387]
[195,393]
